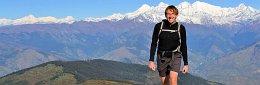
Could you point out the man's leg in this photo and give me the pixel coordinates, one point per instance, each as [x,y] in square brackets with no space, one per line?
[173,77]
[165,80]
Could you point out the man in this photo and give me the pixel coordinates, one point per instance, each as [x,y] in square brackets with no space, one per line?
[171,39]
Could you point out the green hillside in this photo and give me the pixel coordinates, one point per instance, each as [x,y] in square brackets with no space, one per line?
[93,72]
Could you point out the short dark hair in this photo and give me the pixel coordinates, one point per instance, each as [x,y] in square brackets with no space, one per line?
[172,8]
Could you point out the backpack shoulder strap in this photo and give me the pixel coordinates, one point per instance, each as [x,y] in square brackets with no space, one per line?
[179,32]
[160,32]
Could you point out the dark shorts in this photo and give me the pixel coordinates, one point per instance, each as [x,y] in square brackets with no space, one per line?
[168,63]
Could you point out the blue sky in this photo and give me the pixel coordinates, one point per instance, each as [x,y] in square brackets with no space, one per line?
[79,9]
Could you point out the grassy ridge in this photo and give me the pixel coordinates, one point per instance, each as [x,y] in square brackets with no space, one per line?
[94,72]
[49,74]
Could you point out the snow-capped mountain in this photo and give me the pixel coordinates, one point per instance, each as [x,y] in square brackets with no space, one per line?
[145,12]
[30,19]
[195,13]
[203,13]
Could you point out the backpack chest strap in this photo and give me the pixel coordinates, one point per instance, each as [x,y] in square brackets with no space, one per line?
[169,30]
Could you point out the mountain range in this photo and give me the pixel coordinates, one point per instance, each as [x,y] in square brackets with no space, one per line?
[196,13]
[239,68]
[212,37]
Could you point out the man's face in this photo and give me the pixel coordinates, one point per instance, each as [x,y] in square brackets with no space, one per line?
[171,16]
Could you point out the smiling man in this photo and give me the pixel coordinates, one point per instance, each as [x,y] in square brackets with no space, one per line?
[171,39]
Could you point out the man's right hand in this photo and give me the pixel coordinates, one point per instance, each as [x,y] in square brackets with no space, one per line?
[152,66]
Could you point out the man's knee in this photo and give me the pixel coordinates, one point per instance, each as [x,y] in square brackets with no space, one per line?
[173,75]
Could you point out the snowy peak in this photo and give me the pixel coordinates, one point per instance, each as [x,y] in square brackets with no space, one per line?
[162,4]
[143,8]
[246,8]
[204,13]
[184,4]
[202,4]
[196,13]
[242,6]
[144,13]
[30,19]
